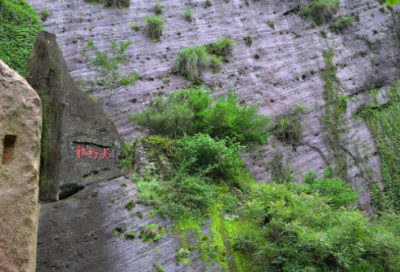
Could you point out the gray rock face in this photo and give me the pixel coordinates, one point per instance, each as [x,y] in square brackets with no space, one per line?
[20,133]
[82,139]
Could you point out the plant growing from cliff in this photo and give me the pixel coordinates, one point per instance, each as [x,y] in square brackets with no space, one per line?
[322,10]
[342,23]
[135,27]
[289,130]
[159,268]
[271,23]
[117,3]
[248,40]
[45,12]
[280,172]
[215,63]
[157,8]
[107,67]
[223,47]
[194,111]
[188,14]
[189,61]
[155,27]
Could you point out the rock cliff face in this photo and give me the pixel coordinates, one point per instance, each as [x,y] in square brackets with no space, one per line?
[20,122]
[79,138]
[286,63]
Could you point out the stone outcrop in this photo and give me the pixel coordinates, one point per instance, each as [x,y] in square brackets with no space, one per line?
[20,133]
[79,139]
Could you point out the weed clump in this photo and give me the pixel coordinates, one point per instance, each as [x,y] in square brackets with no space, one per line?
[45,12]
[188,14]
[342,23]
[130,205]
[194,111]
[155,26]
[223,47]
[158,8]
[129,236]
[289,129]
[322,10]
[190,60]
[118,3]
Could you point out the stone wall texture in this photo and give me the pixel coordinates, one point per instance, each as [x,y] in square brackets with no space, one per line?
[20,116]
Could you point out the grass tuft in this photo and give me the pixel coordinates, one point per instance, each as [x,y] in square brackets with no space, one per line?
[155,26]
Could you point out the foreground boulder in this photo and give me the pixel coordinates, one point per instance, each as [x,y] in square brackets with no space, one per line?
[79,139]
[20,123]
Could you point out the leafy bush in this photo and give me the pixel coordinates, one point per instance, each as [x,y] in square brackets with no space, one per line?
[107,67]
[45,12]
[188,14]
[158,8]
[341,23]
[218,158]
[184,194]
[223,47]
[215,63]
[155,26]
[322,10]
[280,172]
[19,25]
[287,231]
[118,3]
[189,61]
[338,192]
[194,111]
[289,130]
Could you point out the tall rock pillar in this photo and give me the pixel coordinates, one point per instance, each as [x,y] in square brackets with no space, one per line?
[46,72]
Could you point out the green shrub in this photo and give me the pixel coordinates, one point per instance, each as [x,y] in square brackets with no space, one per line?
[158,8]
[280,172]
[288,231]
[248,40]
[223,47]
[215,63]
[129,236]
[118,3]
[135,27]
[341,23]
[45,12]
[289,130]
[19,25]
[322,10]
[107,67]
[188,14]
[155,26]
[219,158]
[189,61]
[130,205]
[194,111]
[271,23]
[159,268]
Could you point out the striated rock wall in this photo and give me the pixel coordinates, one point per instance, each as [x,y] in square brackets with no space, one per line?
[20,123]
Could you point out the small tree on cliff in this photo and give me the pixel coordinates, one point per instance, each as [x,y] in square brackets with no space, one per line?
[107,67]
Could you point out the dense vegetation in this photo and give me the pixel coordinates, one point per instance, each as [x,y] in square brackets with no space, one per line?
[19,25]
[313,226]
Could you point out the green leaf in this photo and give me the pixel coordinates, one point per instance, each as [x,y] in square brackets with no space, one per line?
[392,2]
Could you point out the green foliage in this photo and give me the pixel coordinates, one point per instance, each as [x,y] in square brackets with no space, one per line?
[248,40]
[280,172]
[45,12]
[155,26]
[289,130]
[341,23]
[159,268]
[322,10]
[19,25]
[207,4]
[130,205]
[158,8]
[380,120]
[152,233]
[338,193]
[189,61]
[135,27]
[194,111]
[223,47]
[392,2]
[188,14]
[118,3]
[291,231]
[107,67]
[215,63]
[218,158]
[129,236]
[271,23]
[184,194]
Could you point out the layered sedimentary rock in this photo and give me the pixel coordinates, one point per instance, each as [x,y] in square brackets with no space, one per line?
[79,139]
[20,133]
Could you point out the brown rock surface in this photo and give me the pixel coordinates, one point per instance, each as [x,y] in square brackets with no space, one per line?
[20,123]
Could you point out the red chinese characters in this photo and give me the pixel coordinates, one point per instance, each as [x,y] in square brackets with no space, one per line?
[81,152]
